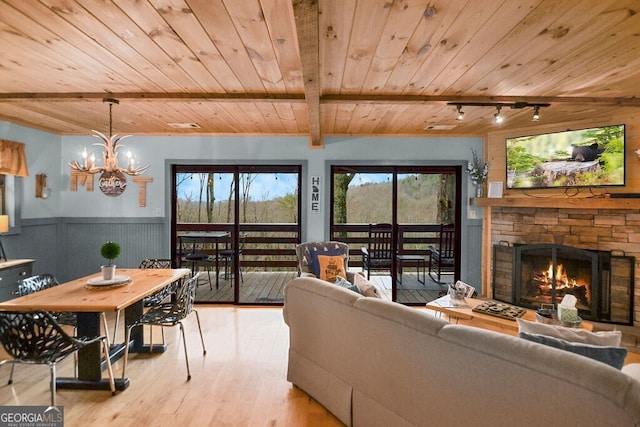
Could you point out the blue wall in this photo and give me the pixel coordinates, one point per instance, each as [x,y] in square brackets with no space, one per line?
[63,233]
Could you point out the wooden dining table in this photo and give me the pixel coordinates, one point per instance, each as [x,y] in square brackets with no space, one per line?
[89,302]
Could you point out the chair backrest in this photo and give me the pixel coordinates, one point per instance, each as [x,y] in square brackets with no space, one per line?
[380,241]
[34,336]
[304,251]
[228,243]
[241,241]
[155,263]
[447,245]
[185,298]
[36,283]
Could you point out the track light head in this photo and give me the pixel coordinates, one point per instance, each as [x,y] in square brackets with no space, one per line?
[536,113]
[499,118]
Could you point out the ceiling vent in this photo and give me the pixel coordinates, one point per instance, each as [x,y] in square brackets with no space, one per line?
[439,127]
[184,125]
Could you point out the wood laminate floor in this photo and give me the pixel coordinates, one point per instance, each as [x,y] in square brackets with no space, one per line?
[241,381]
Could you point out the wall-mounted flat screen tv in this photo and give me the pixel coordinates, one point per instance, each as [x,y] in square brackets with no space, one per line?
[590,157]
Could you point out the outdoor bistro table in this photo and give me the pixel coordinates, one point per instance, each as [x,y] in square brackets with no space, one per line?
[201,238]
[88,302]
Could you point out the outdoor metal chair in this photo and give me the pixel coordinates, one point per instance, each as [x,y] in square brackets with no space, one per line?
[228,255]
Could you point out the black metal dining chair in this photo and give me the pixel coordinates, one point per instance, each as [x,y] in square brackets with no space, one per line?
[37,338]
[40,282]
[43,281]
[153,299]
[163,293]
[170,314]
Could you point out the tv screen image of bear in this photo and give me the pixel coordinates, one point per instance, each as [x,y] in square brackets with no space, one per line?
[590,157]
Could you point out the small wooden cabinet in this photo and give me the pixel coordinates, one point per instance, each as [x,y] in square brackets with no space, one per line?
[11,272]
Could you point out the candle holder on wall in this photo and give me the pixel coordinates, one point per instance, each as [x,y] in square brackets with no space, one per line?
[42,191]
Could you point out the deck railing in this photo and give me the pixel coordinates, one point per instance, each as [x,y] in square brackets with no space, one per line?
[414,239]
[271,247]
[268,247]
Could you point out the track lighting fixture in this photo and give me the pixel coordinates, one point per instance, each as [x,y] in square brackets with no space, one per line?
[498,116]
[536,113]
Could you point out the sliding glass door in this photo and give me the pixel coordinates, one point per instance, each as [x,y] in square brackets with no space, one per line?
[245,222]
[416,201]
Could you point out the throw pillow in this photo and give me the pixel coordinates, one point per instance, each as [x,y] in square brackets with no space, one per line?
[604,338]
[612,356]
[346,284]
[314,266]
[366,288]
[331,267]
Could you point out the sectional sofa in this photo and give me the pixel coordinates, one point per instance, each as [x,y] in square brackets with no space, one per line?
[377,363]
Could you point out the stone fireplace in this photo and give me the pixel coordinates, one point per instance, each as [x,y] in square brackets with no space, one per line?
[593,224]
[542,274]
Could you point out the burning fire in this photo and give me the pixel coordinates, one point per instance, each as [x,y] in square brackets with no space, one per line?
[564,283]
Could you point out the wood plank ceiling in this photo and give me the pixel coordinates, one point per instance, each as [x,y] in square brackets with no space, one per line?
[314,68]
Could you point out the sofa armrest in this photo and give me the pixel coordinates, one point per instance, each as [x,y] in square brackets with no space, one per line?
[307,274]
[633,370]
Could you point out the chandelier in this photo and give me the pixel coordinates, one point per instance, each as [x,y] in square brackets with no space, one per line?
[110,155]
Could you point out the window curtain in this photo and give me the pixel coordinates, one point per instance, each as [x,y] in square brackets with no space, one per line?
[12,158]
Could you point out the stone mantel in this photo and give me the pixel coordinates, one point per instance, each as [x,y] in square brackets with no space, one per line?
[560,202]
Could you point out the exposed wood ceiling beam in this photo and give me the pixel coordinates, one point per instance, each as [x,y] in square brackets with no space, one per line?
[412,99]
[306,17]
[144,96]
[325,99]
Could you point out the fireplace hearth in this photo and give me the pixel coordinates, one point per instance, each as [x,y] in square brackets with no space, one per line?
[532,275]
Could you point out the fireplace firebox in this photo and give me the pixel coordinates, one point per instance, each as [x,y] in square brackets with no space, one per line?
[533,275]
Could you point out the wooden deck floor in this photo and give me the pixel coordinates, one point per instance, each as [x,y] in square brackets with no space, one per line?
[267,288]
[256,288]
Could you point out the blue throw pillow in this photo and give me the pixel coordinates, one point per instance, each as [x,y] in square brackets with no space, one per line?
[314,265]
[612,356]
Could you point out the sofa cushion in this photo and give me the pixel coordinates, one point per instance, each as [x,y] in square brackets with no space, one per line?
[612,356]
[577,335]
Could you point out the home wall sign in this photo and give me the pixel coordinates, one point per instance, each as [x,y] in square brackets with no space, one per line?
[315,194]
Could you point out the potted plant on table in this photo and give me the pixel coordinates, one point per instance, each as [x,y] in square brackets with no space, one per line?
[109,251]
